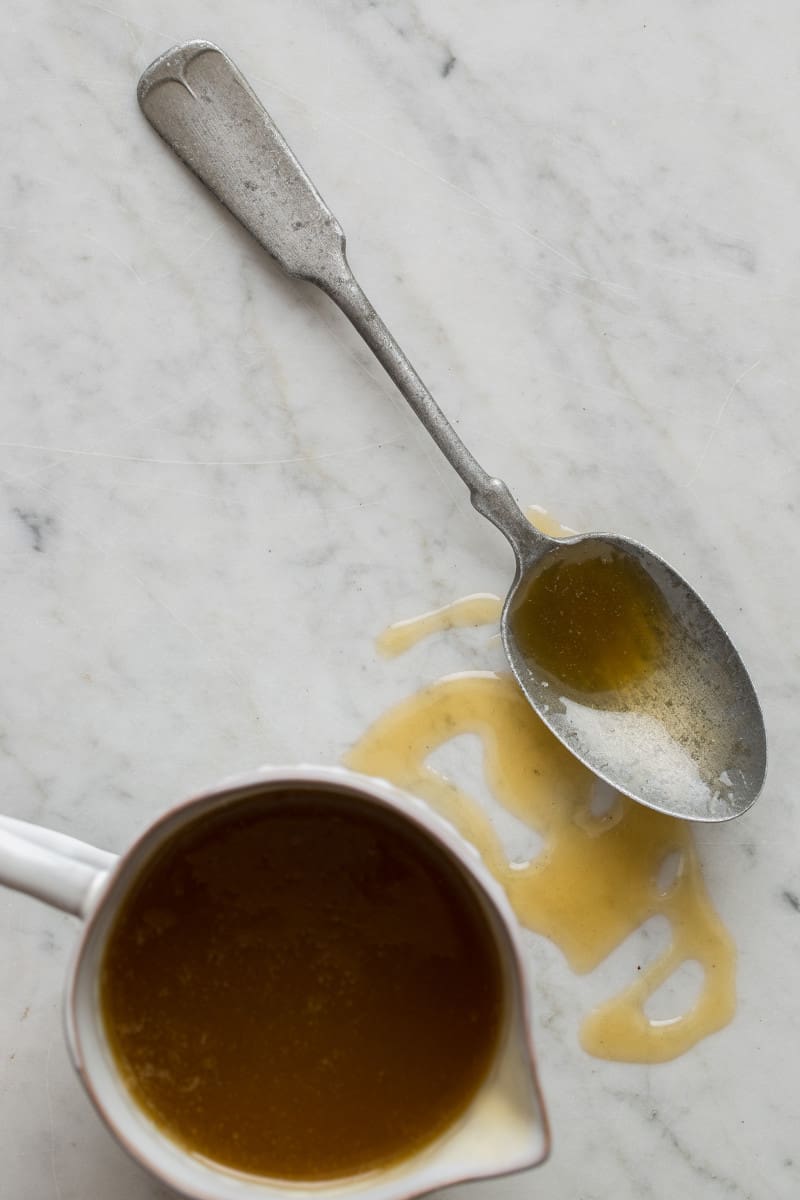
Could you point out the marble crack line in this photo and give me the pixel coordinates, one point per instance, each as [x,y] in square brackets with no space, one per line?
[201,462]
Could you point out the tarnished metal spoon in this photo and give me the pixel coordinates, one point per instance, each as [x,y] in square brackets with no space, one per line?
[613,649]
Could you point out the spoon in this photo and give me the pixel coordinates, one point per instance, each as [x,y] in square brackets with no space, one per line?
[613,649]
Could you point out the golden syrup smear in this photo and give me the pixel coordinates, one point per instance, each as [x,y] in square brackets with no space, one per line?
[599,875]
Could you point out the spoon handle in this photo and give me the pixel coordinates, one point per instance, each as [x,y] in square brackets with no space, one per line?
[206,111]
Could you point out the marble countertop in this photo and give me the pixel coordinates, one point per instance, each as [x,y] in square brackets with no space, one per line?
[581,222]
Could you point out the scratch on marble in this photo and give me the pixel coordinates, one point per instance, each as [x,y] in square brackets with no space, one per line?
[732,389]
[488,435]
[243,684]
[328,40]
[23,229]
[595,387]
[110,11]
[723,408]
[186,258]
[123,262]
[700,276]
[162,604]
[374,376]
[51,1123]
[581,296]
[126,20]
[201,462]
[334,514]
[792,899]
[29,473]
[487,208]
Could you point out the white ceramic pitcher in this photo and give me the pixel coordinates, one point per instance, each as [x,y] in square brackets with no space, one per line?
[504,1128]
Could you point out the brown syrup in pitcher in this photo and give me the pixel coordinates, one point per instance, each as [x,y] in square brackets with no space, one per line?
[302,987]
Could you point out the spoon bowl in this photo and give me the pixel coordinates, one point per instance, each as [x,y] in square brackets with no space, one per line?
[635,675]
[670,717]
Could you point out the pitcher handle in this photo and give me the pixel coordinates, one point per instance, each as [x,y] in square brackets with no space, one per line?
[51,866]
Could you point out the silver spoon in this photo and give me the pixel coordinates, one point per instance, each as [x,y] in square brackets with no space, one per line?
[614,651]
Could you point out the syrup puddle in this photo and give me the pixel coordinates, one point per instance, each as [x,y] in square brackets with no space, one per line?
[604,866]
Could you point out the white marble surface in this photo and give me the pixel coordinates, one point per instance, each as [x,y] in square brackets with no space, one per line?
[581,221]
